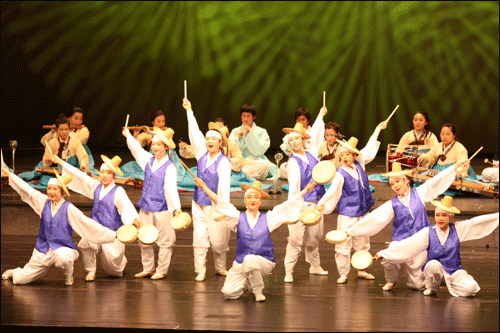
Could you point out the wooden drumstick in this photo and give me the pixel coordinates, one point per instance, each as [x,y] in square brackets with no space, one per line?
[126,122]
[392,113]
[185,89]
[475,153]
[50,150]
[192,174]
[3,163]
[324,95]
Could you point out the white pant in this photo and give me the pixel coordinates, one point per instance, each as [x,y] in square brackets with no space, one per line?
[40,264]
[283,171]
[300,234]
[166,238]
[112,256]
[459,283]
[412,269]
[256,169]
[490,175]
[343,251]
[251,270]
[208,233]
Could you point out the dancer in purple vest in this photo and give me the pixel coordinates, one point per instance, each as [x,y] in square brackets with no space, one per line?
[112,208]
[407,209]
[442,244]
[159,200]
[58,219]
[254,247]
[350,193]
[299,168]
[214,168]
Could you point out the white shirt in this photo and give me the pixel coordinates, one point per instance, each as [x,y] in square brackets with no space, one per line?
[84,226]
[86,186]
[143,157]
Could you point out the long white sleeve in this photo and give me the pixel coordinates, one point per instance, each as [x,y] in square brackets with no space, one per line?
[283,211]
[317,134]
[374,222]
[125,207]
[232,214]
[81,182]
[369,152]
[28,194]
[257,141]
[477,227]
[171,193]
[87,228]
[332,196]
[407,248]
[141,156]
[196,137]
[436,185]
[293,177]
[224,172]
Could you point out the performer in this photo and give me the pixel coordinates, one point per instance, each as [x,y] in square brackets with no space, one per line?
[253,142]
[350,192]
[254,248]
[490,175]
[77,129]
[159,199]
[299,167]
[58,218]
[214,168]
[442,244]
[145,136]
[407,209]
[329,149]
[447,152]
[421,133]
[112,208]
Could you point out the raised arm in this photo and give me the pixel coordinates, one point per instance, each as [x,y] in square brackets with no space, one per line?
[407,248]
[81,182]
[141,156]
[28,194]
[196,137]
[477,227]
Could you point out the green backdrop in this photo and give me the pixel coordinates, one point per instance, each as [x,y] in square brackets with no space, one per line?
[119,58]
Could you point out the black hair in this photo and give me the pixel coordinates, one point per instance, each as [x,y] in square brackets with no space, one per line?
[62,119]
[157,114]
[427,126]
[333,125]
[303,112]
[450,126]
[220,120]
[75,110]
[248,108]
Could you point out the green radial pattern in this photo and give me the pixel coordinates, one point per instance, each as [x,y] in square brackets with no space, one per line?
[132,57]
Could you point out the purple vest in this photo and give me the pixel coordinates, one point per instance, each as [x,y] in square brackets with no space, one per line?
[355,200]
[104,211]
[306,177]
[55,232]
[404,225]
[449,254]
[255,241]
[210,177]
[153,190]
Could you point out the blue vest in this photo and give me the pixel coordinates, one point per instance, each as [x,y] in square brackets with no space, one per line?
[255,241]
[153,190]
[306,177]
[104,211]
[355,200]
[449,254]
[404,225]
[55,232]
[210,177]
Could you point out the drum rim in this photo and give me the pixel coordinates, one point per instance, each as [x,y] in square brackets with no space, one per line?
[148,226]
[127,226]
[315,210]
[336,241]
[316,168]
[177,217]
[365,253]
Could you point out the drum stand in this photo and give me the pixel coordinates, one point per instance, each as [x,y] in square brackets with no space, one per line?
[276,179]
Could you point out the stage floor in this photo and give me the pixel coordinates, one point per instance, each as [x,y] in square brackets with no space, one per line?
[310,303]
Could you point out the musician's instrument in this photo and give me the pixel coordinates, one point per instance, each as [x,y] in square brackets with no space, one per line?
[127,233]
[148,234]
[323,172]
[361,260]
[458,183]
[181,221]
[310,216]
[54,126]
[336,237]
[136,182]
[405,154]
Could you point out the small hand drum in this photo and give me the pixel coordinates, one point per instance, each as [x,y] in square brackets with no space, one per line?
[127,233]
[218,216]
[148,234]
[323,172]
[292,219]
[310,216]
[336,237]
[362,260]
[181,221]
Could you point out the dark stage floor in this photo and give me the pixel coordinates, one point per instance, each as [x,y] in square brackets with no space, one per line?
[310,303]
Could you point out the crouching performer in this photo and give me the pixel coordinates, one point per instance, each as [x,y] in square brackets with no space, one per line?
[54,245]
[254,247]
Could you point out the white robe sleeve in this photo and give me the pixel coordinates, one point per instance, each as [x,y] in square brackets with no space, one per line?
[124,206]
[171,193]
[332,196]
[374,222]
[81,182]
[436,185]
[232,214]
[369,152]
[317,134]
[293,177]
[196,137]
[477,227]
[283,211]
[224,172]
[141,156]
[28,194]
[407,248]
[257,141]
[87,228]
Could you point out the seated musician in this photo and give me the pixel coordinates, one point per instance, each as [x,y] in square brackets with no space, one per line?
[77,129]
[420,135]
[329,149]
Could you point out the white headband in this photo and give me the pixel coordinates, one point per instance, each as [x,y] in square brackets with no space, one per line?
[156,138]
[54,181]
[292,134]
[213,133]
[441,210]
[252,189]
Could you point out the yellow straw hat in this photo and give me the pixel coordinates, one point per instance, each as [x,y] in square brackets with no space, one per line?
[113,164]
[214,126]
[63,181]
[165,136]
[397,171]
[350,145]
[298,128]
[446,204]
[258,186]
